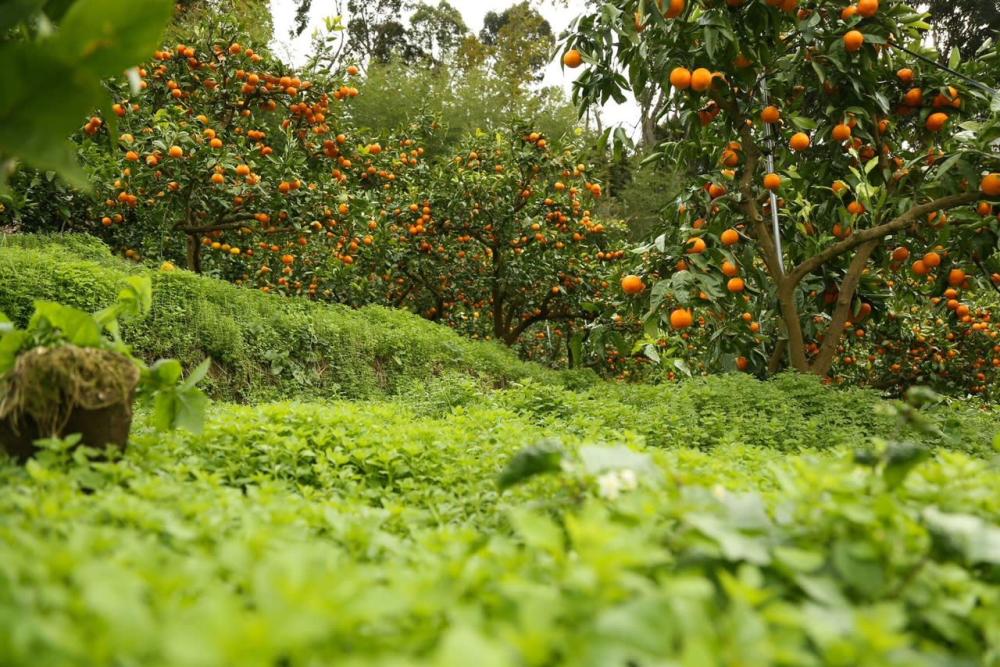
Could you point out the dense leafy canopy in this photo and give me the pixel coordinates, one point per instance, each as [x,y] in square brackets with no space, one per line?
[877,157]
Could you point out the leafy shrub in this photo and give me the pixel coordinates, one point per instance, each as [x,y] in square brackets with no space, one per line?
[261,347]
[788,413]
[364,534]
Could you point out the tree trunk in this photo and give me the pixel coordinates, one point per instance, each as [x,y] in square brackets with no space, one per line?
[777,360]
[193,253]
[793,325]
[842,311]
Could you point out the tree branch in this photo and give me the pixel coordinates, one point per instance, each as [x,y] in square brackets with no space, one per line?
[879,232]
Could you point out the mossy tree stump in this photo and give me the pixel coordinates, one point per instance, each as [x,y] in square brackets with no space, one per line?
[59,391]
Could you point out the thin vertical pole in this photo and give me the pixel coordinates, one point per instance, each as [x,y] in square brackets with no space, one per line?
[776,228]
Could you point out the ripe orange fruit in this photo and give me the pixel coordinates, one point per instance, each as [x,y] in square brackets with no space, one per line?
[956,277]
[353,70]
[675,8]
[215,143]
[770,114]
[730,237]
[680,78]
[175,151]
[772,182]
[573,59]
[218,179]
[736,285]
[900,254]
[905,75]
[681,318]
[932,259]
[242,170]
[853,41]
[729,269]
[914,97]
[838,187]
[984,209]
[920,268]
[855,208]
[799,142]
[742,363]
[936,121]
[696,245]
[841,132]
[632,284]
[701,80]
[730,158]
[715,191]
[755,327]
[848,12]
[990,185]
[868,8]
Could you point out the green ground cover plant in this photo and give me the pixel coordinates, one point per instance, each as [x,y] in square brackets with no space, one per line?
[373,534]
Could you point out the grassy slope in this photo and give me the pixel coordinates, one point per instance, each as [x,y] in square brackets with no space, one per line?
[372,532]
[265,347]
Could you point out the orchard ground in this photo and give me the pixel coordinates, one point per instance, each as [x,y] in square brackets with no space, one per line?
[465,503]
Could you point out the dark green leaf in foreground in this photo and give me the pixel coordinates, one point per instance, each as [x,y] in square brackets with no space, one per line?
[545,457]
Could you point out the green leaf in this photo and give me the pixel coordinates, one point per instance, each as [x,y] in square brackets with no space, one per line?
[44,102]
[197,375]
[542,458]
[597,459]
[166,372]
[537,530]
[10,346]
[13,12]
[164,410]
[900,459]
[55,322]
[971,536]
[108,36]
[136,298]
[804,123]
[189,410]
[955,59]
[948,164]
[735,545]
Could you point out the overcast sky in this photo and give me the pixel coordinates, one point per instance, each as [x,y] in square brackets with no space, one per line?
[473,12]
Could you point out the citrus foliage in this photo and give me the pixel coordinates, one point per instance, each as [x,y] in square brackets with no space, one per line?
[884,172]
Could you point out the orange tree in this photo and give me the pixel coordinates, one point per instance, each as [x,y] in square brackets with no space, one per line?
[880,160]
[496,239]
[221,150]
[227,161]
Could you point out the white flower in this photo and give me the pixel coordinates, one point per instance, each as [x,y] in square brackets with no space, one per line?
[609,485]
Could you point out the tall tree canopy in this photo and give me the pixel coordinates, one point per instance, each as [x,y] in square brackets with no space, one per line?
[965,24]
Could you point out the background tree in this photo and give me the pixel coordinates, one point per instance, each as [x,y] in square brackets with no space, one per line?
[252,17]
[961,24]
